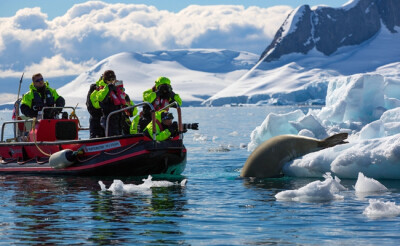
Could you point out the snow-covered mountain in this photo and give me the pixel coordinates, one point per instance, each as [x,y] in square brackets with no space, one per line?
[196,74]
[315,45]
[328,29]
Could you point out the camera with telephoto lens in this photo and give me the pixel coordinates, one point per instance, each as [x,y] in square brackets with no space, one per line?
[164,91]
[191,126]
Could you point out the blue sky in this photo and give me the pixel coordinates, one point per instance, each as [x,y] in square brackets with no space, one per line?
[39,35]
[54,8]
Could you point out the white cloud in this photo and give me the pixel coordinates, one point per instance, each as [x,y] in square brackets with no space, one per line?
[94,30]
[55,66]
[58,66]
[30,18]
[8,98]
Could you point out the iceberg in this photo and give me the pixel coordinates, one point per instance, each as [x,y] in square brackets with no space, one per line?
[361,105]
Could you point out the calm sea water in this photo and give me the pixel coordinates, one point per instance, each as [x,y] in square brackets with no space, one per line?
[214,208]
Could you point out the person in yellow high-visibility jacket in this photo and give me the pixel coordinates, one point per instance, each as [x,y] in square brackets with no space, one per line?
[160,95]
[41,95]
[110,96]
[165,128]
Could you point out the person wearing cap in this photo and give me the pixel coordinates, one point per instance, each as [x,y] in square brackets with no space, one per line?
[110,97]
[41,95]
[95,128]
[160,95]
[165,128]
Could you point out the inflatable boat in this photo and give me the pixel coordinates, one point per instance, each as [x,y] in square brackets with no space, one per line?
[53,147]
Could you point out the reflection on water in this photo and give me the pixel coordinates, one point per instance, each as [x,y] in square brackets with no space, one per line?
[56,209]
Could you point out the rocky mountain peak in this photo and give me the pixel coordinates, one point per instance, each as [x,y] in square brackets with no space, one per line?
[326,29]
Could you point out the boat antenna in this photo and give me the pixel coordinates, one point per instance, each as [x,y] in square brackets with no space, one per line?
[15,114]
[16,104]
[20,82]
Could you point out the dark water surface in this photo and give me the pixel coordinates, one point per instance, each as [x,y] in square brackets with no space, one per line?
[214,208]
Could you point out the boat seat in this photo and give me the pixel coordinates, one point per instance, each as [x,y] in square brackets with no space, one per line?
[56,129]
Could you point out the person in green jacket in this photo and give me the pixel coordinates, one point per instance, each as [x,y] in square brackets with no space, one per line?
[41,95]
[165,128]
[160,95]
[110,96]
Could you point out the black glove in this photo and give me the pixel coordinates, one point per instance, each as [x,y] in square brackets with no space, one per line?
[93,87]
[173,129]
[51,113]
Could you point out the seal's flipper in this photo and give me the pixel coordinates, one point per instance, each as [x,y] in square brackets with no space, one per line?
[334,140]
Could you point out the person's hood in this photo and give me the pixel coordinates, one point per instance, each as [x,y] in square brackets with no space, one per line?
[32,86]
[162,80]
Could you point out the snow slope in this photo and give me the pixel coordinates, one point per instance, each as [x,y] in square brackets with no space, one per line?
[298,78]
[218,77]
[196,74]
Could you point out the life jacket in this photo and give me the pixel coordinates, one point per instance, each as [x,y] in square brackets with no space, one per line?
[40,102]
[160,103]
[118,97]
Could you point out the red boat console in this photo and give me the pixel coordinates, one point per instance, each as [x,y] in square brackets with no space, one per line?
[54,130]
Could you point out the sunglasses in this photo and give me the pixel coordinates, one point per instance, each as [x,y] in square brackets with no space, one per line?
[168,117]
[39,80]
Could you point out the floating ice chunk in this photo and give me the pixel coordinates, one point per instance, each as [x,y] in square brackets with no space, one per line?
[315,191]
[233,134]
[184,182]
[149,183]
[199,137]
[220,148]
[102,186]
[118,187]
[368,185]
[380,209]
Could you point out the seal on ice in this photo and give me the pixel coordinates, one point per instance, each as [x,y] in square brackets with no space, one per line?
[267,160]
